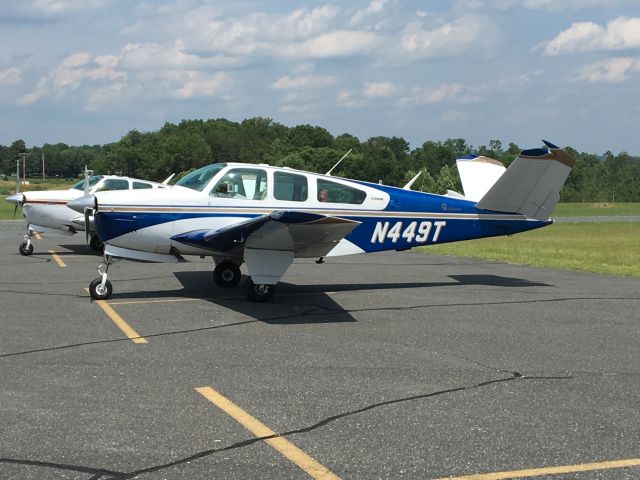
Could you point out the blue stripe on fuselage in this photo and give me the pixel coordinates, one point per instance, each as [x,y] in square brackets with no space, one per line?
[375,233]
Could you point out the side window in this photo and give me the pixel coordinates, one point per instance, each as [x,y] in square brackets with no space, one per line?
[114,184]
[141,185]
[290,186]
[245,183]
[332,192]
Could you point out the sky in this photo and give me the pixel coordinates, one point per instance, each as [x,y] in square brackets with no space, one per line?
[88,71]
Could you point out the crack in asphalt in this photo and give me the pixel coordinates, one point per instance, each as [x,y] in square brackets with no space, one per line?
[319,310]
[514,376]
[97,472]
[119,475]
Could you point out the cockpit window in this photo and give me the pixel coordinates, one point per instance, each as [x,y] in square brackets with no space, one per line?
[333,192]
[113,184]
[246,183]
[92,181]
[290,186]
[198,179]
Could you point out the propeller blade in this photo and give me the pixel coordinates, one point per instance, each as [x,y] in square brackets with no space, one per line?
[15,209]
[87,214]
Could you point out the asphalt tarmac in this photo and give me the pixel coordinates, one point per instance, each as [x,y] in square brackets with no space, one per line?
[394,365]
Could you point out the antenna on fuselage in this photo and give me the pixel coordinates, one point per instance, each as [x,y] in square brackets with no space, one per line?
[338,162]
[412,181]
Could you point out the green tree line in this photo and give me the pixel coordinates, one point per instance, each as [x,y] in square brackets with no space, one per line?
[194,143]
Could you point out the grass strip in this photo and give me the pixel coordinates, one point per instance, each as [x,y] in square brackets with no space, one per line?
[610,248]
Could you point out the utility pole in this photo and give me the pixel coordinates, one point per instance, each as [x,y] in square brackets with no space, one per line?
[24,167]
[17,174]
[43,176]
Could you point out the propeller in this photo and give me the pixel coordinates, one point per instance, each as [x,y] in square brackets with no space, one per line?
[87,215]
[18,199]
[85,205]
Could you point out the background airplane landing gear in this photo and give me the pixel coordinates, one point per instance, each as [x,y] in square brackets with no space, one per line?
[25,248]
[96,244]
[258,292]
[99,292]
[227,274]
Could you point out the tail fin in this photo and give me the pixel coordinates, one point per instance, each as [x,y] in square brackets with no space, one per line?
[531,185]
[478,175]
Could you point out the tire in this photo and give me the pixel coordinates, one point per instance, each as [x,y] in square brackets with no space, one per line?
[227,274]
[96,244]
[258,292]
[24,250]
[94,289]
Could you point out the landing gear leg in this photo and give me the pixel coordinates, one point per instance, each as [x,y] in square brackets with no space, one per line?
[101,288]
[26,247]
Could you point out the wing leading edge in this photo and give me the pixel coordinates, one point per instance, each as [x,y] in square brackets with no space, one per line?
[305,234]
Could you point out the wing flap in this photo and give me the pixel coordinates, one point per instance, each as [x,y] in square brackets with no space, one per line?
[306,234]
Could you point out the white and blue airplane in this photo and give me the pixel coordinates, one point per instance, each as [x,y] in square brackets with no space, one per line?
[265,216]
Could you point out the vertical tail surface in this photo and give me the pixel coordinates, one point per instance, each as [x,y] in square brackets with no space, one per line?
[531,185]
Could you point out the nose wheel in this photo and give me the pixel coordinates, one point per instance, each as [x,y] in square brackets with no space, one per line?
[227,274]
[101,288]
[26,247]
[257,292]
[98,291]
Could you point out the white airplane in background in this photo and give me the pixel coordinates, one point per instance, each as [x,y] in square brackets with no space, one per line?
[266,216]
[46,211]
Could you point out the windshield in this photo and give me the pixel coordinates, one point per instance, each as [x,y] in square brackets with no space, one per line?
[92,181]
[198,179]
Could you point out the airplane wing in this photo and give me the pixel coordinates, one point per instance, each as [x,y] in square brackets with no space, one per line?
[305,234]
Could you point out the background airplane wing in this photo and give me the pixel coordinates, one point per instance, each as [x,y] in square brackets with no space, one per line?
[305,234]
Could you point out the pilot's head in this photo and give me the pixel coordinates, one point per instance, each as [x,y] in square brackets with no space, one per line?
[323,195]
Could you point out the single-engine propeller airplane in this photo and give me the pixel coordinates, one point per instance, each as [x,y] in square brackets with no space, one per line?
[46,211]
[266,216]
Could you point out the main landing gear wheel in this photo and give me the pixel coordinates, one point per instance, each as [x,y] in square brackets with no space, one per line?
[258,292]
[25,249]
[98,292]
[227,274]
[96,244]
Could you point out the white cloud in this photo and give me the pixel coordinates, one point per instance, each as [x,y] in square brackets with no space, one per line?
[619,34]
[445,93]
[152,56]
[198,84]
[611,70]
[10,76]
[535,5]
[303,82]
[55,8]
[348,99]
[339,43]
[374,8]
[379,89]
[462,34]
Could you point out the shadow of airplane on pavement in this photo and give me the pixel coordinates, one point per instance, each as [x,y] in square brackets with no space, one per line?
[301,304]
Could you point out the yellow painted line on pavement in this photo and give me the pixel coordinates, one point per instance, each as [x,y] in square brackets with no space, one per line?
[135,302]
[58,260]
[534,472]
[119,321]
[282,445]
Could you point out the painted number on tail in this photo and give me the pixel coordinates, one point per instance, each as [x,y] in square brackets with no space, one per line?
[414,232]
